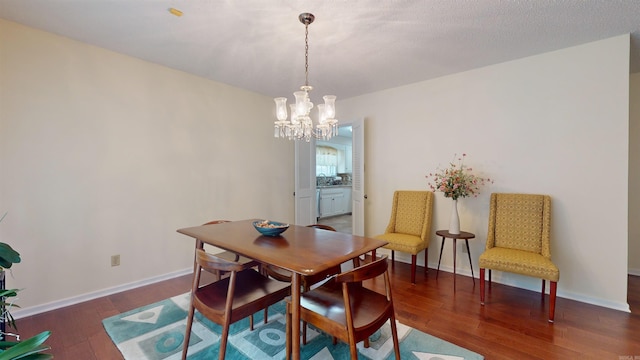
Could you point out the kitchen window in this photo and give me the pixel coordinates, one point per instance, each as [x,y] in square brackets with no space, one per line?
[326,161]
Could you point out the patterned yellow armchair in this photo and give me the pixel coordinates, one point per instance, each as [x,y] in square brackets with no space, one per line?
[410,226]
[518,241]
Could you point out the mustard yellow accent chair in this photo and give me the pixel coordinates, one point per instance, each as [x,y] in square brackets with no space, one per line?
[410,226]
[519,241]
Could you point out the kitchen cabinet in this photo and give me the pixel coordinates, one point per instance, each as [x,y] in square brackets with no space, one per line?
[335,200]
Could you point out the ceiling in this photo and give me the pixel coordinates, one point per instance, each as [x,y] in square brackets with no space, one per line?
[355,47]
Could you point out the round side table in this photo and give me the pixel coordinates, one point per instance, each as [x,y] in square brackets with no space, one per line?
[463,235]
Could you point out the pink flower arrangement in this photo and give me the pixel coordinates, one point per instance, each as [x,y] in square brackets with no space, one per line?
[457,181]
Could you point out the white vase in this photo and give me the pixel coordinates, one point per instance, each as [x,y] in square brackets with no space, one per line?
[454,222]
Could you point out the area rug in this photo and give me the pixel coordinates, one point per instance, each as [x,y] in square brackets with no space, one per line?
[156,332]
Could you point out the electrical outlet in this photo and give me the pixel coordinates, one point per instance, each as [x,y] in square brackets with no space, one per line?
[115,260]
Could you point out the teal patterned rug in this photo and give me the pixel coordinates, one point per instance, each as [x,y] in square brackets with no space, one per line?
[156,332]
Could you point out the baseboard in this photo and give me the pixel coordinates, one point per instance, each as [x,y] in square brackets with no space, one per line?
[465,271]
[21,313]
[25,312]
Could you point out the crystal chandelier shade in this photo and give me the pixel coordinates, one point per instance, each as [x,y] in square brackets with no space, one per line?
[300,125]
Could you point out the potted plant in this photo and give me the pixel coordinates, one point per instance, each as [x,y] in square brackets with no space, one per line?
[32,348]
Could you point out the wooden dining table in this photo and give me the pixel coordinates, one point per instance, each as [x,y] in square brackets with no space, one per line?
[300,249]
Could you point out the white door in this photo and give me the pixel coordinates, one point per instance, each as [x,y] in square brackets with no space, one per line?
[305,182]
[357,177]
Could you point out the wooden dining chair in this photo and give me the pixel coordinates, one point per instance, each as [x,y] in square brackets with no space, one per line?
[342,307]
[306,281]
[233,298]
[228,255]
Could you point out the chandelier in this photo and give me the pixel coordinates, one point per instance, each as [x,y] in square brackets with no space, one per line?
[300,126]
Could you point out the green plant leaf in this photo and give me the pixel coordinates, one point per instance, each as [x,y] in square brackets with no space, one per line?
[37,357]
[35,353]
[9,292]
[26,347]
[7,344]
[7,253]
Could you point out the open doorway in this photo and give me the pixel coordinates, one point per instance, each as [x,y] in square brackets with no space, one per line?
[334,172]
[307,188]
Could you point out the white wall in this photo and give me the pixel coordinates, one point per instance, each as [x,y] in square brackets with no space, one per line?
[104,154]
[555,123]
[634,175]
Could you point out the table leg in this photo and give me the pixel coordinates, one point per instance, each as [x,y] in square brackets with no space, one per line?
[470,263]
[454,263]
[440,258]
[295,316]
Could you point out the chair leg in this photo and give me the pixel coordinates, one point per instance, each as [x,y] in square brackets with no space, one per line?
[304,333]
[393,257]
[352,349]
[251,322]
[552,300]
[543,288]
[266,314]
[223,341]
[187,334]
[482,286]
[394,335]
[288,332]
[413,268]
[426,259]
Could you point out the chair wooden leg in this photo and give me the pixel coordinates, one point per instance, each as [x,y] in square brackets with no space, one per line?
[413,268]
[304,333]
[393,257]
[552,300]
[394,335]
[482,286]
[543,288]
[353,350]
[426,259]
[223,341]
[251,322]
[489,278]
[266,314]
[187,334]
[288,332]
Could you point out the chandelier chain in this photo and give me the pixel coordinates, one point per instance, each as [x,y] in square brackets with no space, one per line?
[306,55]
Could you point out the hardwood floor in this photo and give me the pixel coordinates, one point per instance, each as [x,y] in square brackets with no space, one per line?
[342,223]
[512,325]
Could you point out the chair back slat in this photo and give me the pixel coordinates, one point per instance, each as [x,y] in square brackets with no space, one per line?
[213,264]
[364,272]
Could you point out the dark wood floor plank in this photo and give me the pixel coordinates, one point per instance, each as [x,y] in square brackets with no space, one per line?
[512,325]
